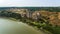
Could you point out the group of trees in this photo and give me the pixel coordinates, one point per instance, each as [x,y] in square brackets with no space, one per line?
[10,14]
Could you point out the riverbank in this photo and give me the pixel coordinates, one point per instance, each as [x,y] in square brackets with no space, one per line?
[11,25]
[39,30]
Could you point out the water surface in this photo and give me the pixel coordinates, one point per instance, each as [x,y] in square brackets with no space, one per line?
[8,26]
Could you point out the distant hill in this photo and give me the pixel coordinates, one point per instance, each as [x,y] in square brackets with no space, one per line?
[53,9]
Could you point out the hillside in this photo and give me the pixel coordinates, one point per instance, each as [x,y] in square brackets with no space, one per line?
[44,18]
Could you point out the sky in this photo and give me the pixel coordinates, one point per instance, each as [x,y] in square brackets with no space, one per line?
[29,3]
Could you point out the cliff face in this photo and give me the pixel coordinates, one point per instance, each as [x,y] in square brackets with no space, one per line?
[22,12]
[54,17]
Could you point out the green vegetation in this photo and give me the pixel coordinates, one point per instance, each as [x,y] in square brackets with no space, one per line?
[41,22]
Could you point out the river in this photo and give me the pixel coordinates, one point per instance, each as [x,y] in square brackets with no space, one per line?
[8,26]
